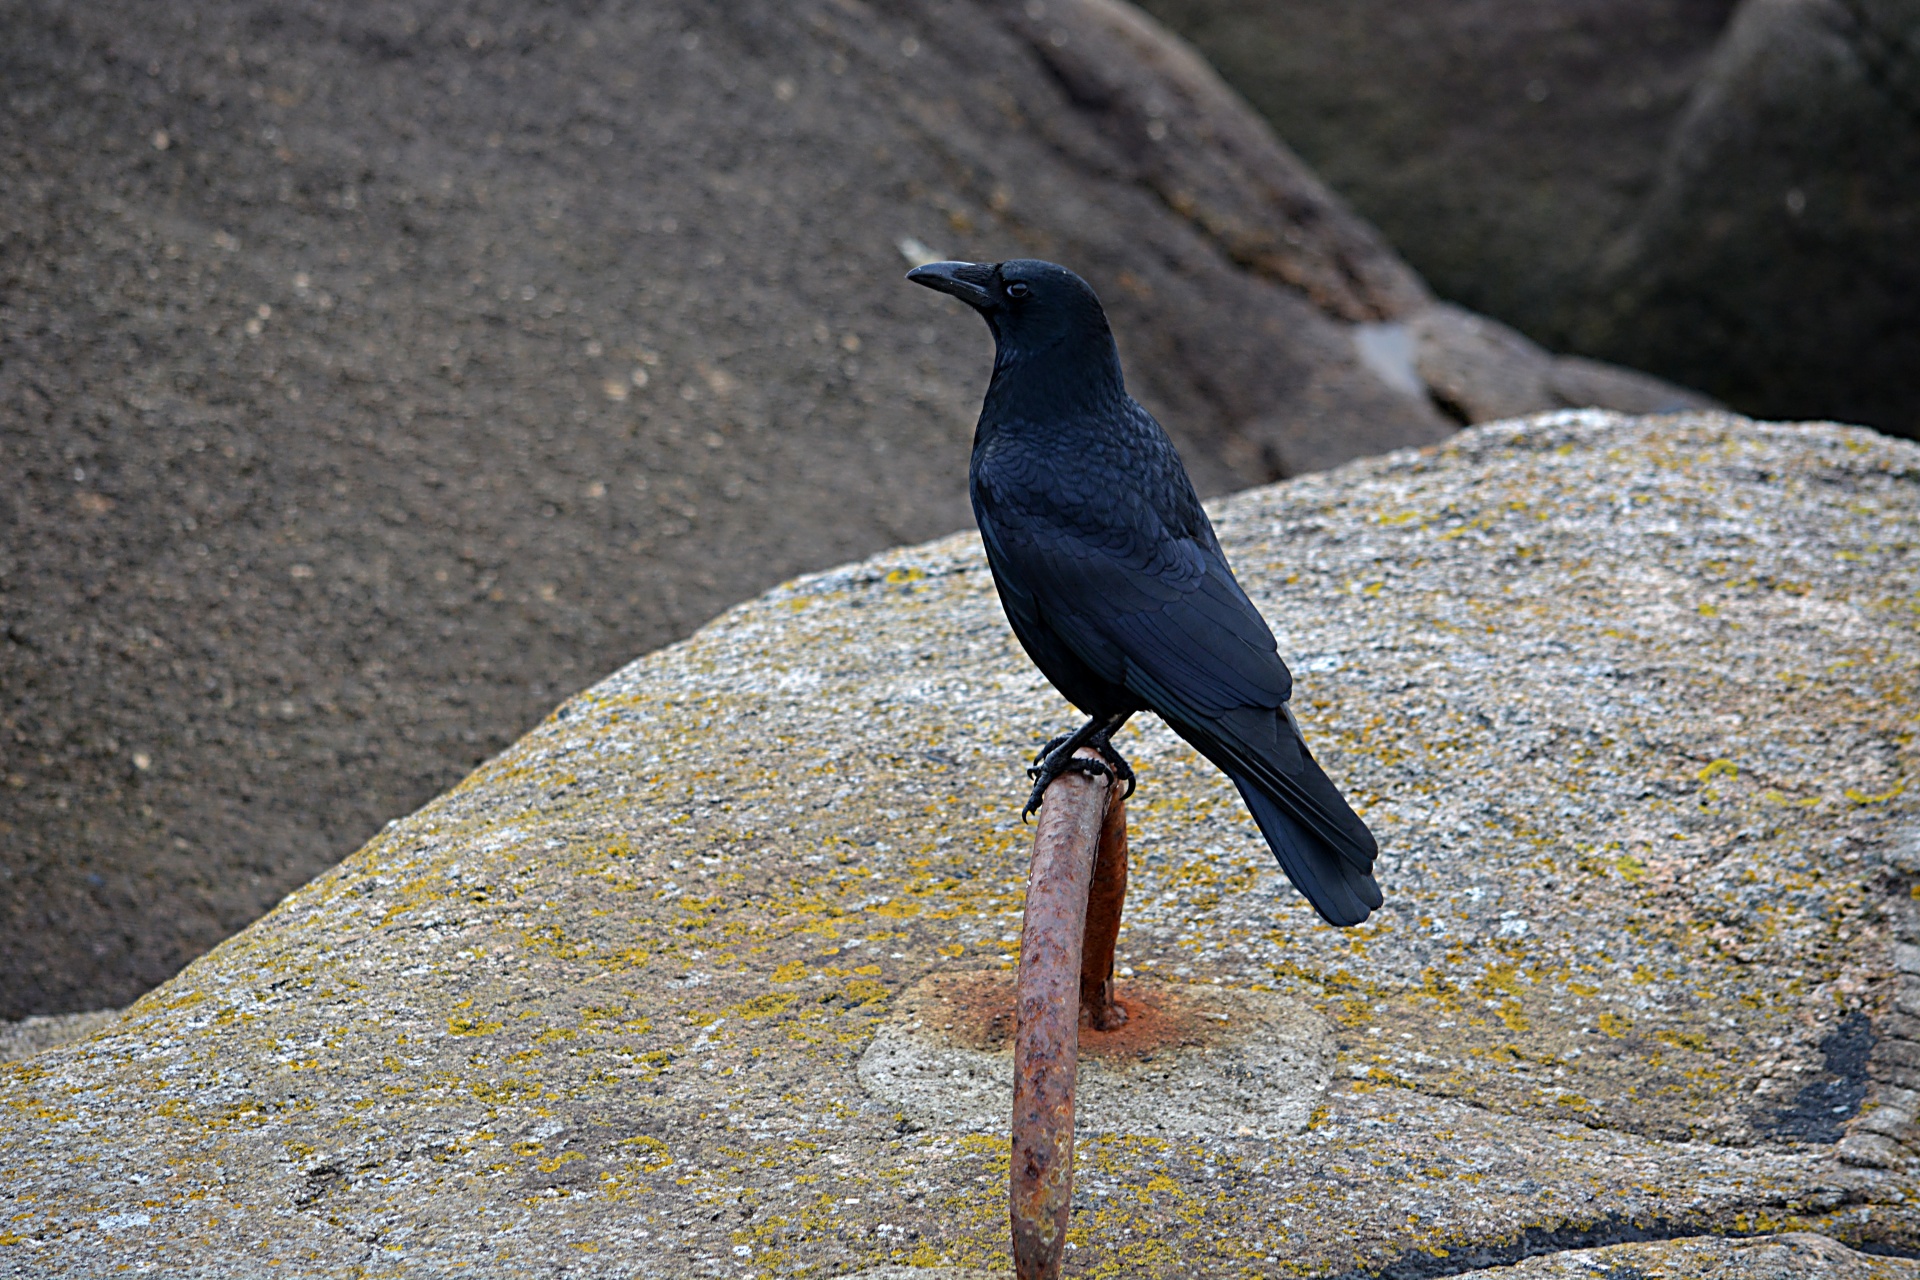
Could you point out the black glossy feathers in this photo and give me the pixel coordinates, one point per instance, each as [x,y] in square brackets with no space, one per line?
[1112,578]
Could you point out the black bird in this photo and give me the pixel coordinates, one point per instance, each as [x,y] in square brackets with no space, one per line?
[1115,584]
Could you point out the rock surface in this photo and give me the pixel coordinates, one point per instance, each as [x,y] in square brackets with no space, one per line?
[1480,370]
[372,377]
[1726,195]
[27,1036]
[1629,702]
[1776,262]
[1793,1256]
[1499,144]
[1191,1061]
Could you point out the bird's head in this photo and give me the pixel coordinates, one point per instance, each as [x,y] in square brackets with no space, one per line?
[1031,306]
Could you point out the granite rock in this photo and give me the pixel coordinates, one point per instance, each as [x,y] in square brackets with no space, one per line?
[27,1036]
[1500,145]
[1773,262]
[1721,193]
[1629,702]
[1481,370]
[1791,1256]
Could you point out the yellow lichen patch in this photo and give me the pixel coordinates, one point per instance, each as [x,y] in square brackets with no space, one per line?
[1861,797]
[461,1025]
[764,1006]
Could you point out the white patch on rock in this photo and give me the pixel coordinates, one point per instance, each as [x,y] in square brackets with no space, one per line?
[1263,1077]
[1388,351]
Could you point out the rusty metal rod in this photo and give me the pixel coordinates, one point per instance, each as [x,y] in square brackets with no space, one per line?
[1104,900]
[1082,823]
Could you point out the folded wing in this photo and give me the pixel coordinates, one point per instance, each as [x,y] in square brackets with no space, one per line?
[1156,609]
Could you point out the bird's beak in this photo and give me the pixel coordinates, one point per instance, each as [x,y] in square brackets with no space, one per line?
[966,281]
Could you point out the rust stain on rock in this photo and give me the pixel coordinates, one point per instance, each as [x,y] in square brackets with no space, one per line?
[975,1011]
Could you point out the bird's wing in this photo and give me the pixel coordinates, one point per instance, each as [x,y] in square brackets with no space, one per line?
[1125,593]
[1156,609]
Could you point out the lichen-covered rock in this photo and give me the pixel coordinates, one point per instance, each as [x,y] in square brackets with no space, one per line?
[1791,1256]
[1629,702]
[1191,1060]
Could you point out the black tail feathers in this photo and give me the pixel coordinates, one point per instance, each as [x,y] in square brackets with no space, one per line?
[1321,843]
[1341,892]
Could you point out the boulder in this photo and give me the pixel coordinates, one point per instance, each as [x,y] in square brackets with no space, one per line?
[1479,370]
[375,376]
[23,1037]
[1793,1255]
[1723,195]
[1628,701]
[1500,145]
[1774,262]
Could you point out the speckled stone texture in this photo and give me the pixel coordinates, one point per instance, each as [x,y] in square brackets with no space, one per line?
[1792,1256]
[1629,702]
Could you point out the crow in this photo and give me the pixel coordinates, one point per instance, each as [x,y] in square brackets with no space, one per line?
[1115,585]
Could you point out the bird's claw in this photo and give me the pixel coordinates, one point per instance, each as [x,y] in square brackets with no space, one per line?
[1121,769]
[1045,772]
[1058,757]
[1051,747]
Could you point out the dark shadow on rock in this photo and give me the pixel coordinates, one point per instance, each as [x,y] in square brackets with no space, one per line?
[1820,1111]
[1776,262]
[1772,1257]
[1531,1242]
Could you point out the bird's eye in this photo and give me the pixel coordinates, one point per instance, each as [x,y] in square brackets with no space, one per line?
[1018,289]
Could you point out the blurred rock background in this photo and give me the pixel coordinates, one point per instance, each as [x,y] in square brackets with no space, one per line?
[373,376]
[1723,192]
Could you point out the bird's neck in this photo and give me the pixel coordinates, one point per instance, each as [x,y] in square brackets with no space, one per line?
[1073,378]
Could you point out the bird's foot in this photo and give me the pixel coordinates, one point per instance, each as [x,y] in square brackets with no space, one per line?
[1058,757]
[1052,766]
[1115,761]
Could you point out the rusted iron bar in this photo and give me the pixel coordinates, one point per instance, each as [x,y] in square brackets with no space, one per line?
[1097,1005]
[1082,824]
